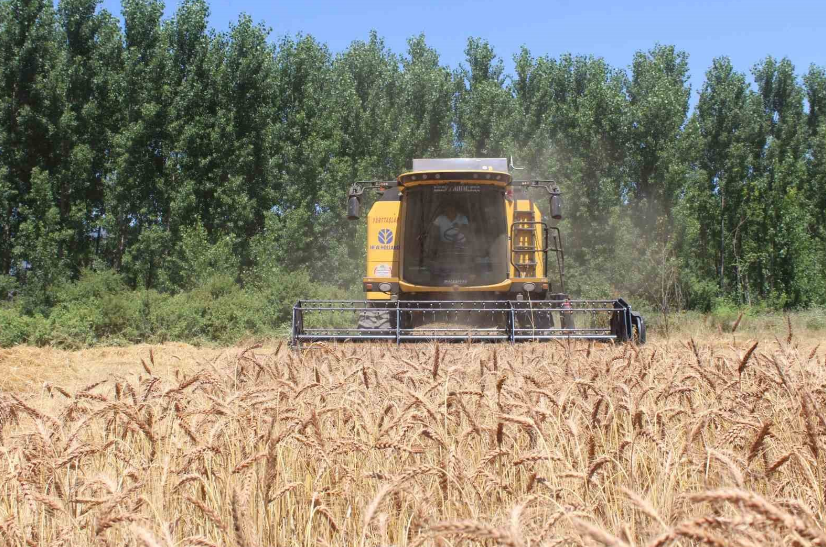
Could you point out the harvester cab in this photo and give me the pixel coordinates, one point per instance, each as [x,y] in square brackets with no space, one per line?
[459,250]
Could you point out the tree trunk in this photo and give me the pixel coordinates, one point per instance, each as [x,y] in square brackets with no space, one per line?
[722,241]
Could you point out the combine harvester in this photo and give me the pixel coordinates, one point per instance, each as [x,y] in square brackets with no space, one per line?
[458,250]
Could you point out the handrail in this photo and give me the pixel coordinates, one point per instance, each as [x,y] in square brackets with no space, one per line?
[543,250]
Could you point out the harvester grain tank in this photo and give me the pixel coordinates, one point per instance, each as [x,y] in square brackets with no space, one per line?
[459,250]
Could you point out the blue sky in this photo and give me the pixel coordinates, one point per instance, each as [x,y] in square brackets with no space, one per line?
[746,31]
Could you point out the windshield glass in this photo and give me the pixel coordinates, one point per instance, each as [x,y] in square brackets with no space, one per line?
[455,235]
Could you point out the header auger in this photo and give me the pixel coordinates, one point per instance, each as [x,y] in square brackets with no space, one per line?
[458,250]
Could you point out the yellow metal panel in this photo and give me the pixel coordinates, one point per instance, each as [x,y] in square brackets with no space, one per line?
[434,182]
[503,286]
[509,207]
[540,241]
[383,241]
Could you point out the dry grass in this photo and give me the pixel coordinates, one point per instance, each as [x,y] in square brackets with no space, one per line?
[680,442]
[26,368]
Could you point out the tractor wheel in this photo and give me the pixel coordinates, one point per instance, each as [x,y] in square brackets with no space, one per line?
[543,319]
[637,328]
[618,326]
[567,320]
[538,319]
[379,321]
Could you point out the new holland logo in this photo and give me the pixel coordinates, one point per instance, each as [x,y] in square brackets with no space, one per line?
[385,236]
[385,241]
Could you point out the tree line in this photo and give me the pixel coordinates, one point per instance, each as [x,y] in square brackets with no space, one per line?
[164,151]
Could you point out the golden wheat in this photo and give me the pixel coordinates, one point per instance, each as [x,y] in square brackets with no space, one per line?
[685,443]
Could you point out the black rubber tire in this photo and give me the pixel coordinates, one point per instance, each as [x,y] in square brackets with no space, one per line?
[617,327]
[381,318]
[567,320]
[544,319]
[534,319]
[637,328]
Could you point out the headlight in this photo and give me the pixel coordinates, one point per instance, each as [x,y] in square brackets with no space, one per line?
[529,286]
[385,287]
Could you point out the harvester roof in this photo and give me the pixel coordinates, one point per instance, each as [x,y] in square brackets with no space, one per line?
[442,170]
[461,164]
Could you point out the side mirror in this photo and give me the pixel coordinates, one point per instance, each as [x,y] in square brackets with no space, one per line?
[353,208]
[556,207]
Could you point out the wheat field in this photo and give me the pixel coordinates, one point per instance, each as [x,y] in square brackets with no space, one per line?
[716,440]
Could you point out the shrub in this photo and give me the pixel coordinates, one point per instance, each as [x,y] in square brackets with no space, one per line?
[232,317]
[280,290]
[96,308]
[701,293]
[8,287]
[196,260]
[72,326]
[150,305]
[119,317]
[724,314]
[90,286]
[16,328]
[817,320]
[217,311]
[99,308]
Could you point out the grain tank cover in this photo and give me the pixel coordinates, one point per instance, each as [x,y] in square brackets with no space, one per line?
[461,164]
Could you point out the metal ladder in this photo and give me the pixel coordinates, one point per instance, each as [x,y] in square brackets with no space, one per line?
[524,243]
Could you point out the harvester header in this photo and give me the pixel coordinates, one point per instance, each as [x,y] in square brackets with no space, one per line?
[457,249]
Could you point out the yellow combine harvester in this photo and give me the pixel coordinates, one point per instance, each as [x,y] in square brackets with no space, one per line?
[458,250]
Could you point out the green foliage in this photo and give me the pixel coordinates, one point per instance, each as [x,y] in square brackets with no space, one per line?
[8,287]
[92,285]
[483,104]
[723,315]
[17,328]
[97,307]
[216,311]
[817,322]
[658,103]
[701,293]
[279,290]
[196,260]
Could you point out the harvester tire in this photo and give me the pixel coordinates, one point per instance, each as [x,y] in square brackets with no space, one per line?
[544,319]
[537,319]
[381,318]
[637,328]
